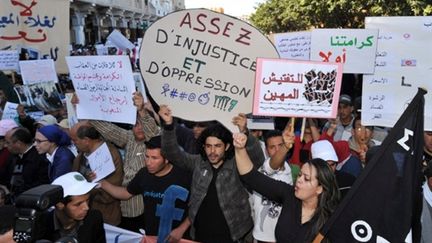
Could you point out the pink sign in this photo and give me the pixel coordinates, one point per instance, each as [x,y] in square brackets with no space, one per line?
[296,88]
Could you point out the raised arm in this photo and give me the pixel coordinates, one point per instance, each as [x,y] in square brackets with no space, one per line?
[270,188]
[253,147]
[170,146]
[277,160]
[111,132]
[244,164]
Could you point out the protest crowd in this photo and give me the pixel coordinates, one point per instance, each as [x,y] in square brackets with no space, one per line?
[277,178]
[229,200]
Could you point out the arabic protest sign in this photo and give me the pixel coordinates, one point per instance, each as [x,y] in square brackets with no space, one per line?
[40,24]
[101,162]
[293,45]
[37,71]
[104,85]
[10,111]
[402,65]
[9,60]
[297,88]
[207,66]
[355,48]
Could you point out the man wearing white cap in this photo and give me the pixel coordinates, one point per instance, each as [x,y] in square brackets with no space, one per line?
[324,150]
[72,217]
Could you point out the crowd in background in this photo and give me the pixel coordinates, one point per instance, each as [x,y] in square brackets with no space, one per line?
[229,199]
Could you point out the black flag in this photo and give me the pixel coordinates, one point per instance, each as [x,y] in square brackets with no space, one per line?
[385,201]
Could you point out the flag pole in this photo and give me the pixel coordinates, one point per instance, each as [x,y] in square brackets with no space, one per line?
[302,129]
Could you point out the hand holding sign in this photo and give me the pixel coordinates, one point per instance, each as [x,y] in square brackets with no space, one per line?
[101,163]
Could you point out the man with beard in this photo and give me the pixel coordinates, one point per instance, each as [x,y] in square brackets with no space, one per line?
[219,208]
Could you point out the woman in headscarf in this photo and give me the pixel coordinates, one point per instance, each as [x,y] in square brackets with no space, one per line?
[54,142]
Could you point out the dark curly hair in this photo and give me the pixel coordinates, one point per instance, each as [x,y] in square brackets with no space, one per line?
[221,133]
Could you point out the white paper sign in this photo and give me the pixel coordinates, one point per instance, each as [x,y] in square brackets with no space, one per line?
[403,63]
[293,45]
[104,85]
[115,235]
[101,50]
[355,48]
[120,40]
[10,111]
[38,71]
[9,60]
[101,162]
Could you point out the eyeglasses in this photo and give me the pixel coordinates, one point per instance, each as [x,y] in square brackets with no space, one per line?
[39,141]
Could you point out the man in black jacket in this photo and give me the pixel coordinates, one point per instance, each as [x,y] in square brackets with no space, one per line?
[27,168]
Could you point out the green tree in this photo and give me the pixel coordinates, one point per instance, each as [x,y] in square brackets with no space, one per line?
[278,16]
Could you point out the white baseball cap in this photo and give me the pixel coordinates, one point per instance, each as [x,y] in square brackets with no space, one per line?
[74,184]
[324,150]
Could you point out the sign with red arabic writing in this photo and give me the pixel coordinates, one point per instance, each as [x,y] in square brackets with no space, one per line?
[202,64]
[104,85]
[37,24]
[297,88]
[354,48]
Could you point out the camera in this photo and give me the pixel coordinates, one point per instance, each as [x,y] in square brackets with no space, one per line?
[31,205]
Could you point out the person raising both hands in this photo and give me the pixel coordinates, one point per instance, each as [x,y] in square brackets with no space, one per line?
[305,206]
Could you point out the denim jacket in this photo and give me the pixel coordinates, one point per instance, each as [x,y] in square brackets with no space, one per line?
[233,197]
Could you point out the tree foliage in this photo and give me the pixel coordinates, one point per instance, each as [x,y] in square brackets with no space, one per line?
[276,16]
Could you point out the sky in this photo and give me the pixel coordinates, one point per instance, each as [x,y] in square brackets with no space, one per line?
[232,7]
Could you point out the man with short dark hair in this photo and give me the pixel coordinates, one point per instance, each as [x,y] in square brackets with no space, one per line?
[152,183]
[87,139]
[133,143]
[341,127]
[72,217]
[361,140]
[267,212]
[28,168]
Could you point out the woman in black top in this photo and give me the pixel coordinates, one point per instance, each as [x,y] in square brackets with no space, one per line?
[305,206]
